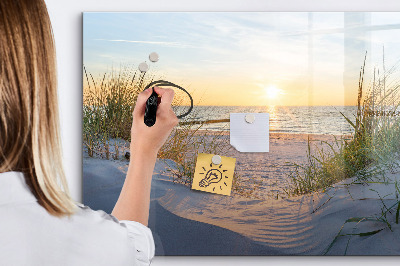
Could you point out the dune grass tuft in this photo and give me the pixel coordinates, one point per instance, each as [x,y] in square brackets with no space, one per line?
[366,156]
[375,141]
[108,103]
[186,142]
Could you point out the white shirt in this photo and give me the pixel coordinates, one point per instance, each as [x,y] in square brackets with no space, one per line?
[29,235]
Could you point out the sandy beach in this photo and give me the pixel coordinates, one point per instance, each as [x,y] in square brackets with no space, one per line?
[188,222]
[269,171]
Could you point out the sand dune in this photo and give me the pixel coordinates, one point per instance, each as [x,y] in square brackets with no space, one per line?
[188,222]
[303,225]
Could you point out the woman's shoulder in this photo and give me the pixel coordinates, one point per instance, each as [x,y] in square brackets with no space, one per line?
[85,213]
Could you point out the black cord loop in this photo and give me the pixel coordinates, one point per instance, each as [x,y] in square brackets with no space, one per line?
[170,84]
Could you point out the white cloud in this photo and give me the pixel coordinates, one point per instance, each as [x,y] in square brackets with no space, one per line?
[169,44]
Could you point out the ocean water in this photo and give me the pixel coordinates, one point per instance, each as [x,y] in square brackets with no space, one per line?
[284,119]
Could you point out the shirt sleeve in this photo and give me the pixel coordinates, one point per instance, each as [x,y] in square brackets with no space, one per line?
[139,235]
[142,239]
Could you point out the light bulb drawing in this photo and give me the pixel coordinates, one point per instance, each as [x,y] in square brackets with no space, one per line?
[213,176]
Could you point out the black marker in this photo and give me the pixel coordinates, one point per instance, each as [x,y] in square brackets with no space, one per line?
[151,105]
[151,109]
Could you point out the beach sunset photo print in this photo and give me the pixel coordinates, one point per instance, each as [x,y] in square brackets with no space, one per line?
[329,82]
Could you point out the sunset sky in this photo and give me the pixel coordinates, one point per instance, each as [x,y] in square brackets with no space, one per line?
[245,58]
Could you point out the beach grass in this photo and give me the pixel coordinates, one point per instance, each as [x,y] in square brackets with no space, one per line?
[366,157]
[108,103]
[375,141]
[186,142]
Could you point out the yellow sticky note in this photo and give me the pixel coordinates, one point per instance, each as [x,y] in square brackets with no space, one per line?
[214,178]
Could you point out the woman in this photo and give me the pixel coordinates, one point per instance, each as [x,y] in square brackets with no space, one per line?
[39,222]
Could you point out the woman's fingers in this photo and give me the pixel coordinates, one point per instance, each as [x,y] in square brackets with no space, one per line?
[140,106]
[167,95]
[164,110]
[174,118]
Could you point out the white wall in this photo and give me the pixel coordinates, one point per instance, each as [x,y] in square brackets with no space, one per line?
[66,17]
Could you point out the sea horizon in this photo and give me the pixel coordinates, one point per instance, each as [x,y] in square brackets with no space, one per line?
[283,119]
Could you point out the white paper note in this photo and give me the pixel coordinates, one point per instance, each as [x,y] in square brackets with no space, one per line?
[252,136]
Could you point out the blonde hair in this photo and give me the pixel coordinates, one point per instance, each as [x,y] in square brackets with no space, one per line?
[29,123]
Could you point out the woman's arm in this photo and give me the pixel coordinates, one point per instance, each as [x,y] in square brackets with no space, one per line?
[134,200]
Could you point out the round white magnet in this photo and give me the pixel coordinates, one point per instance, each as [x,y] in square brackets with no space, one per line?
[153,57]
[143,67]
[250,118]
[216,159]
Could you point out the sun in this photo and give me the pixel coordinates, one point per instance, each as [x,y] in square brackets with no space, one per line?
[272,92]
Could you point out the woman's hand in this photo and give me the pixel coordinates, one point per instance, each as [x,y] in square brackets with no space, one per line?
[148,140]
[134,201]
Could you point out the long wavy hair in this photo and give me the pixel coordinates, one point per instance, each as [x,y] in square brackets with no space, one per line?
[29,121]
